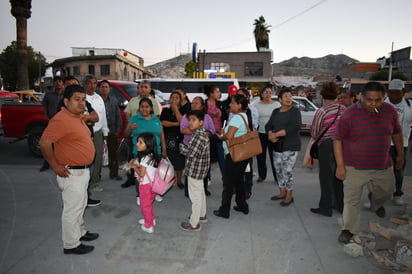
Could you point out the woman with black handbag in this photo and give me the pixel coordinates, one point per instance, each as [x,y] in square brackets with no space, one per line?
[331,188]
[283,131]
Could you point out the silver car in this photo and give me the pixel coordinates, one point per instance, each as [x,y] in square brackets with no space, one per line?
[306,107]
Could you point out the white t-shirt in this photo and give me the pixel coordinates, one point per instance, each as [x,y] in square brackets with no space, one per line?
[405,118]
[148,162]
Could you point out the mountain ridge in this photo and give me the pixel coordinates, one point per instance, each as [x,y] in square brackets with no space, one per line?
[329,65]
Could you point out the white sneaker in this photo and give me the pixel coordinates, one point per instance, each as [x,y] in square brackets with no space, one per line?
[97,188]
[147,229]
[209,182]
[367,205]
[141,221]
[398,200]
[138,201]
[159,198]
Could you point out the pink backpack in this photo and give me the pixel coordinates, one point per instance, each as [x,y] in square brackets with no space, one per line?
[164,177]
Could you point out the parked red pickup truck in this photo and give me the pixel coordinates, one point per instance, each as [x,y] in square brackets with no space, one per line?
[24,120]
[28,120]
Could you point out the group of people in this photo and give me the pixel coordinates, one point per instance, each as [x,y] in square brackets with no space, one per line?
[362,141]
[354,145]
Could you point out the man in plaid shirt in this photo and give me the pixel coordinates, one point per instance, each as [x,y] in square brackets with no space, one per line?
[197,166]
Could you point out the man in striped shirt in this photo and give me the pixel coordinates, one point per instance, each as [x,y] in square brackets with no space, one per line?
[361,146]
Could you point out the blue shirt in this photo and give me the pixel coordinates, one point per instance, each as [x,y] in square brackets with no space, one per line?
[153,125]
[238,123]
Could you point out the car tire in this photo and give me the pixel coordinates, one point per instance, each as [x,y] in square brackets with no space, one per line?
[33,140]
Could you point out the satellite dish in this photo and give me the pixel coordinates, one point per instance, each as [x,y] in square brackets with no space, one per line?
[194,52]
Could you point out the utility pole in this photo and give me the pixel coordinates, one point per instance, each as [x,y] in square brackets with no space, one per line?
[390,65]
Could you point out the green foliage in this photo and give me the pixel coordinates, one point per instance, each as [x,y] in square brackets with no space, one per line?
[8,66]
[190,68]
[261,33]
[383,75]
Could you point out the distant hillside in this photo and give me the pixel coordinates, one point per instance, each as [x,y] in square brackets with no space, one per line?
[329,65]
[171,68]
[305,66]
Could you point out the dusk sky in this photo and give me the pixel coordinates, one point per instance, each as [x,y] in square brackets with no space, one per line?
[158,29]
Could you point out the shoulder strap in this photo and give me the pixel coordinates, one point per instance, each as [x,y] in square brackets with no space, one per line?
[243,118]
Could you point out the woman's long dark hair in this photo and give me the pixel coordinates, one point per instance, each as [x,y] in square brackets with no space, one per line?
[151,147]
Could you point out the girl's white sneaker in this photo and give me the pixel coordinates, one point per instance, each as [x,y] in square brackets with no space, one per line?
[141,221]
[147,229]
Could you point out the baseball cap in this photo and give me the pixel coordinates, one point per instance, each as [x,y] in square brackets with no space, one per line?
[396,84]
[231,90]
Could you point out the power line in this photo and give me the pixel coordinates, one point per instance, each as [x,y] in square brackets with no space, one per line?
[299,14]
[276,26]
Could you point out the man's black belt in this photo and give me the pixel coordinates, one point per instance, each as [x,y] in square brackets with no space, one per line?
[78,167]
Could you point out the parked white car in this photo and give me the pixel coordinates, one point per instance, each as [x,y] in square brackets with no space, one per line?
[306,107]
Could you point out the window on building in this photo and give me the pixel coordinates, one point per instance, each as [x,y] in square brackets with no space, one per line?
[105,69]
[76,70]
[68,71]
[253,68]
[220,67]
[125,72]
[91,69]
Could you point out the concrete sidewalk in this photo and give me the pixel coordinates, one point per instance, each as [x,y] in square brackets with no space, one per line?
[271,239]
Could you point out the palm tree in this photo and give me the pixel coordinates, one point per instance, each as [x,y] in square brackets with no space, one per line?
[21,9]
[261,33]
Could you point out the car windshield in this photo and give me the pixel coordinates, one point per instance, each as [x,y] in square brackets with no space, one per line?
[131,89]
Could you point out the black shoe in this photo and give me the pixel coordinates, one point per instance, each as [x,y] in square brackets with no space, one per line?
[220,214]
[345,236]
[207,192]
[247,195]
[381,212]
[89,236]
[91,202]
[259,180]
[276,198]
[181,186]
[79,250]
[321,212]
[127,184]
[283,203]
[244,210]
[117,178]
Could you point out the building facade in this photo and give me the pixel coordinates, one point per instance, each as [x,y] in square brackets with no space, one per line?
[104,63]
[242,65]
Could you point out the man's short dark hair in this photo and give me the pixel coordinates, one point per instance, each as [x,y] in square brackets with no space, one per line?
[56,78]
[283,91]
[70,77]
[374,86]
[69,90]
[105,81]
[197,113]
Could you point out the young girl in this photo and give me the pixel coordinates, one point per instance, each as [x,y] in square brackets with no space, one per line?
[145,167]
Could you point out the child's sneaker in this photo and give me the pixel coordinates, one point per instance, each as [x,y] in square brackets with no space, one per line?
[188,227]
[158,198]
[141,221]
[147,229]
[201,219]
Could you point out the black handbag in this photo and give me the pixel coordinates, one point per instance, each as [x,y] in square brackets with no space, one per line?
[314,149]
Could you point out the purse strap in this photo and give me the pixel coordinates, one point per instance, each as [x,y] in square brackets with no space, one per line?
[323,133]
[243,118]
